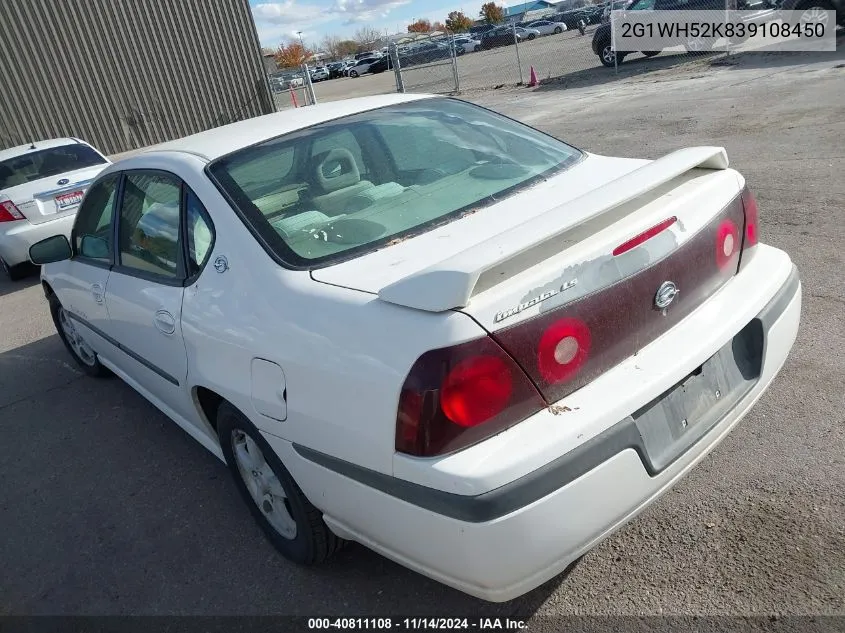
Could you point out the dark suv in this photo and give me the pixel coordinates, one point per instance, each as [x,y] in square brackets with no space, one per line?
[765,10]
[500,36]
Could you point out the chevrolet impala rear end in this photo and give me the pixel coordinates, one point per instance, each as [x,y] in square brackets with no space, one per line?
[457,340]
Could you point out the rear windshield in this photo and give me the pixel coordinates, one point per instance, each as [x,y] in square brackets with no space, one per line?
[349,186]
[45,163]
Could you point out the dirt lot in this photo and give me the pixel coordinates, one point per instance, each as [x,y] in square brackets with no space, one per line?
[109,508]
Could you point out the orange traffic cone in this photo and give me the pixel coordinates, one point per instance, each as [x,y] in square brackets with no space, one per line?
[532,81]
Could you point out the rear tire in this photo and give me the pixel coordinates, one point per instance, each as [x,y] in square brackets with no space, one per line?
[14,273]
[650,53]
[558,30]
[75,344]
[290,522]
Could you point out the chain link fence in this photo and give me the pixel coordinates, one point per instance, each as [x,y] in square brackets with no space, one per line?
[571,46]
[575,47]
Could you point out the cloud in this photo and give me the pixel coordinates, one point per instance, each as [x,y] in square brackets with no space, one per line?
[354,11]
[277,21]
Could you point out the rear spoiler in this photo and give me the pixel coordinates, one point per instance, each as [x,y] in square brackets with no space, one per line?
[449,284]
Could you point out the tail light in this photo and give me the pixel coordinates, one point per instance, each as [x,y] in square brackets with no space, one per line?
[9,212]
[752,219]
[727,244]
[457,396]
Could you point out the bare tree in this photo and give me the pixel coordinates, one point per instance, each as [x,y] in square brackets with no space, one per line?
[366,36]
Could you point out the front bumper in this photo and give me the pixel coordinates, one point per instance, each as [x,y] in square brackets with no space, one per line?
[507,540]
[17,237]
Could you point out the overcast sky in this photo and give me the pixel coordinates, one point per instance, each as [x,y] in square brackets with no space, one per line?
[317,18]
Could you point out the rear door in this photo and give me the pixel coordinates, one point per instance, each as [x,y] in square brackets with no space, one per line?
[144,296]
[49,183]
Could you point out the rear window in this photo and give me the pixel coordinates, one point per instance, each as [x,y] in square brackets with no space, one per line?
[349,186]
[45,163]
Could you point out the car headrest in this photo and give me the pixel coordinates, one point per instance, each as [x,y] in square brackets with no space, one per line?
[335,169]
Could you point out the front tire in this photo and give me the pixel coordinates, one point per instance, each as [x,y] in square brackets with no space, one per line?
[76,345]
[531,36]
[353,73]
[290,522]
[608,56]
[558,30]
[650,53]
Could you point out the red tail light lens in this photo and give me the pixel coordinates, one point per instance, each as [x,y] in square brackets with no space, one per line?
[457,396]
[727,243]
[476,390]
[563,350]
[9,212]
[752,219]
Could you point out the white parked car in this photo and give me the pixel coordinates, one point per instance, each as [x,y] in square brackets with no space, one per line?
[362,66]
[468,44]
[527,34]
[320,73]
[478,358]
[41,186]
[544,27]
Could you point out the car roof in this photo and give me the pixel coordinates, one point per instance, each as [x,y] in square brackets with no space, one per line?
[226,139]
[45,144]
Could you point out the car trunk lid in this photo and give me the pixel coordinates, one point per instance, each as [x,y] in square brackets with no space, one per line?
[565,292]
[51,198]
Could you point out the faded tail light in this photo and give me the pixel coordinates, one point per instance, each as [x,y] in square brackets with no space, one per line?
[751,234]
[9,212]
[457,396]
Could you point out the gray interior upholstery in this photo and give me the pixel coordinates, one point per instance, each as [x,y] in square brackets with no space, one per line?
[335,179]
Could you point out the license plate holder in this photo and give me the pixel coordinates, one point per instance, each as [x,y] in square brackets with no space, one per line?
[683,414]
[68,200]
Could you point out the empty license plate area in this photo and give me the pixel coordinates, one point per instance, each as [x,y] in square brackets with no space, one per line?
[682,415]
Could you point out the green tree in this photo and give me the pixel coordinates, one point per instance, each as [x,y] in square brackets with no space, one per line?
[492,13]
[458,22]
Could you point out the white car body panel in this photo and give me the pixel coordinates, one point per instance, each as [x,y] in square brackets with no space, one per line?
[276,343]
[36,201]
[469,45]
[549,29]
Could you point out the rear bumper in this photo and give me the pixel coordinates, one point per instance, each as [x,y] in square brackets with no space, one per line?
[17,237]
[511,538]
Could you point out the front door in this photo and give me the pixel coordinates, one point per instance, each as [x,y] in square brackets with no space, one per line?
[81,282]
[144,294]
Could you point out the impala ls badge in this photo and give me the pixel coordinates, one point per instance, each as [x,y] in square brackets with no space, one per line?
[666,294]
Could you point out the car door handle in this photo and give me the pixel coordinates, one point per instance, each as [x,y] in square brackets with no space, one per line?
[99,292]
[165,322]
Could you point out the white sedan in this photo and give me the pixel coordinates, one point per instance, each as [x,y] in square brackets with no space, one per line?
[467,44]
[478,358]
[548,28]
[41,186]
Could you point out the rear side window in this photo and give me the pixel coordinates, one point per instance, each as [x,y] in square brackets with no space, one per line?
[200,233]
[45,163]
[92,231]
[148,231]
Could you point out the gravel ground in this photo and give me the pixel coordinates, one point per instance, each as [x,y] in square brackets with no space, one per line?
[108,508]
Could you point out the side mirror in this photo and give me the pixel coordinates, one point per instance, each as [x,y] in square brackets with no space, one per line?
[49,250]
[94,247]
